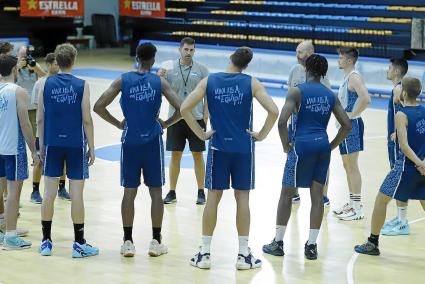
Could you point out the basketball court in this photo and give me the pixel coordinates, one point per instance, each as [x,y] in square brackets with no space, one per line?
[401,260]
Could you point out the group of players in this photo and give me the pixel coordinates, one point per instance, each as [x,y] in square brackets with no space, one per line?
[65,131]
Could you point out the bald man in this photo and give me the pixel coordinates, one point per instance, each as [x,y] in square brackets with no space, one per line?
[297,76]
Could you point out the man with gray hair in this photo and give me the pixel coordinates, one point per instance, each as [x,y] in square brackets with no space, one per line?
[297,76]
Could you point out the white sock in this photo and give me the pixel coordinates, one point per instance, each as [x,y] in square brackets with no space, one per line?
[206,243]
[402,214]
[280,233]
[11,234]
[312,236]
[356,201]
[243,245]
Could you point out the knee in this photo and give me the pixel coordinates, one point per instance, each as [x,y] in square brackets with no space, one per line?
[176,156]
[197,156]
[214,197]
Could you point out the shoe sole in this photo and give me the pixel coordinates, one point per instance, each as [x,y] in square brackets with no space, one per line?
[63,198]
[373,254]
[311,258]
[128,254]
[170,202]
[395,235]
[154,254]
[241,267]
[35,202]
[274,254]
[80,256]
[202,266]
[200,203]
[14,248]
[348,219]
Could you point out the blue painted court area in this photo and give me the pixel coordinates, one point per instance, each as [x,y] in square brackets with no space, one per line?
[112,153]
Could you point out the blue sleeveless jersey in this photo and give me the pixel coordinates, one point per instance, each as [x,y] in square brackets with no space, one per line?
[229,97]
[63,119]
[415,133]
[352,99]
[140,103]
[317,103]
[392,110]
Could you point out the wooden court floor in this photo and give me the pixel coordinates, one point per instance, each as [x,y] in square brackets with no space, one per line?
[402,259]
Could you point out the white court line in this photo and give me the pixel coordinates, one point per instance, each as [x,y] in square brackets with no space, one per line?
[350,265]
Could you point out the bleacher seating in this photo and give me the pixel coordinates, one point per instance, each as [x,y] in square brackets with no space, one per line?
[382,29]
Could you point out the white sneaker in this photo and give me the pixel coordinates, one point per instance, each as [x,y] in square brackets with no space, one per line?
[19,231]
[157,249]
[128,249]
[351,215]
[340,210]
[202,261]
[247,262]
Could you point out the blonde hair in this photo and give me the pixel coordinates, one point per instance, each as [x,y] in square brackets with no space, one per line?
[65,55]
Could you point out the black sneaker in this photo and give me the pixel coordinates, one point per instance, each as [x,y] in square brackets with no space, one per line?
[310,251]
[367,248]
[201,197]
[274,248]
[171,197]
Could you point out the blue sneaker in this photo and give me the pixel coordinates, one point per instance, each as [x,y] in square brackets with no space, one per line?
[63,194]
[36,197]
[367,248]
[326,201]
[274,248]
[84,250]
[15,243]
[388,226]
[202,261]
[397,230]
[296,198]
[46,248]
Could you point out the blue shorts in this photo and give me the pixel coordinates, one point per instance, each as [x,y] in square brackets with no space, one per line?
[14,167]
[307,162]
[223,166]
[354,141]
[393,152]
[402,184]
[75,158]
[149,158]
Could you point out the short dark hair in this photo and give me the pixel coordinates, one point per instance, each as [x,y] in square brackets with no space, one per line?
[412,86]
[350,52]
[317,65]
[50,58]
[145,51]
[242,57]
[7,62]
[5,47]
[188,41]
[65,55]
[401,64]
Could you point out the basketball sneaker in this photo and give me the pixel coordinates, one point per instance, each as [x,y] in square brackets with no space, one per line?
[389,225]
[202,261]
[170,197]
[247,262]
[15,243]
[397,230]
[157,249]
[326,201]
[46,248]
[83,250]
[128,249]
[274,248]
[351,215]
[342,209]
[367,248]
[310,251]
[296,198]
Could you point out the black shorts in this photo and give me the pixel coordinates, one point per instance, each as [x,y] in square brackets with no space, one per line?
[179,132]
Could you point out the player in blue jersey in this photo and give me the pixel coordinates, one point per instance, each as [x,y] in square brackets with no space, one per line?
[65,128]
[231,148]
[15,130]
[407,177]
[142,147]
[397,69]
[309,152]
[354,98]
